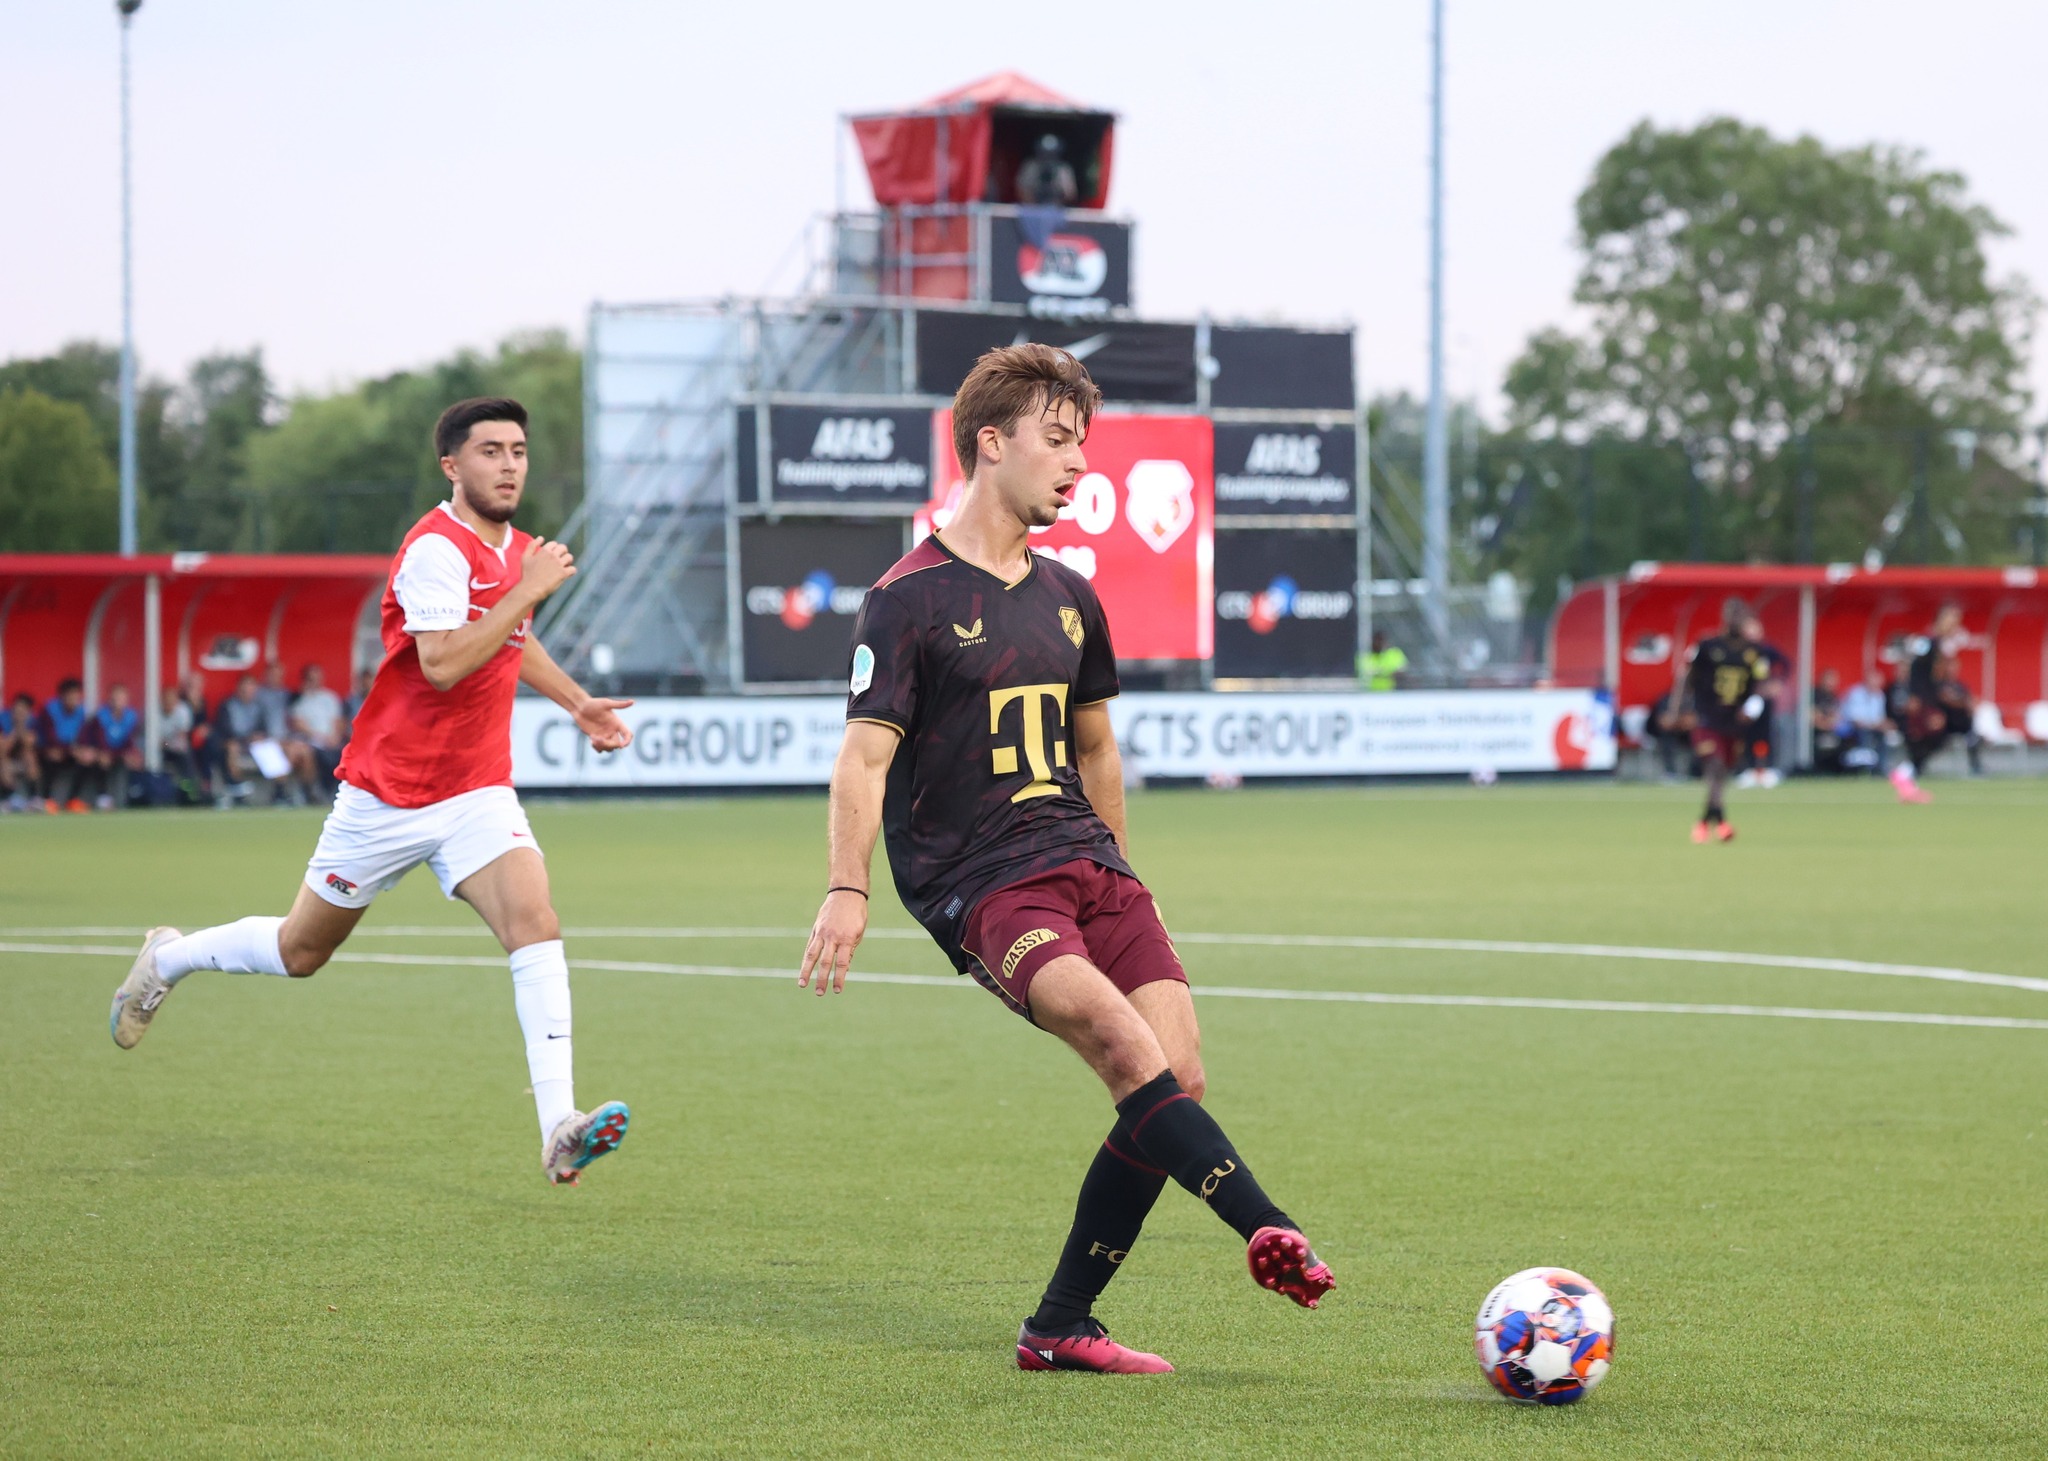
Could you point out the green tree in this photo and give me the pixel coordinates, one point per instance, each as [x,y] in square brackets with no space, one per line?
[1745,292]
[57,489]
[354,470]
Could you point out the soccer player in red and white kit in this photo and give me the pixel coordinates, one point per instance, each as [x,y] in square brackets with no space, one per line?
[427,776]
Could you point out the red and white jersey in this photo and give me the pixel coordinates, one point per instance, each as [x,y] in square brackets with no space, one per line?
[414,745]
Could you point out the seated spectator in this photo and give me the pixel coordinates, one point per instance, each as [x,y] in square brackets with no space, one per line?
[59,727]
[19,770]
[319,724]
[205,745]
[175,750]
[1865,725]
[1666,726]
[352,706]
[113,741]
[247,751]
[1827,722]
[276,698]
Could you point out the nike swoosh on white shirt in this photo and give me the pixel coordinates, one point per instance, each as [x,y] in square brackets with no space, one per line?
[478,586]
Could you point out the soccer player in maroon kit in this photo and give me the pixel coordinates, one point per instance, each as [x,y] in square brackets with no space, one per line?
[1725,684]
[427,776]
[978,743]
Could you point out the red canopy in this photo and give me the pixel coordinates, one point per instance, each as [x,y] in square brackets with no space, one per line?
[963,146]
[1632,632]
[148,620]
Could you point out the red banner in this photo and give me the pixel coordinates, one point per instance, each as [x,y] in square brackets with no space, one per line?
[1141,528]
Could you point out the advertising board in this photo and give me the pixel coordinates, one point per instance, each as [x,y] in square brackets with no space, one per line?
[792,740]
[836,454]
[1131,360]
[1267,469]
[1286,603]
[1057,266]
[801,582]
[1140,528]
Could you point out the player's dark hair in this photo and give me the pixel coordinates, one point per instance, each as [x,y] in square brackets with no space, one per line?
[67,685]
[1011,380]
[452,430]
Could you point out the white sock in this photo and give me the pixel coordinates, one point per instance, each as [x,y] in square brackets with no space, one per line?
[248,946]
[540,992]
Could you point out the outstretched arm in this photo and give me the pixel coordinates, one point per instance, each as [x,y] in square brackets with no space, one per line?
[596,717]
[860,778]
[1101,766]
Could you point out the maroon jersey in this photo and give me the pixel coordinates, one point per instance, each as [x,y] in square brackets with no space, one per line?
[414,745]
[1725,671]
[982,678]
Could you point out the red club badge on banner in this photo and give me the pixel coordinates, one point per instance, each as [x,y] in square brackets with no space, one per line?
[1141,528]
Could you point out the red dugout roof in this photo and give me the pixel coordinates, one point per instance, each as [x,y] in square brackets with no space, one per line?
[1632,632]
[147,621]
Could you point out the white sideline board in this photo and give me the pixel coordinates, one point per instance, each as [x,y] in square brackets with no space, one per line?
[742,741]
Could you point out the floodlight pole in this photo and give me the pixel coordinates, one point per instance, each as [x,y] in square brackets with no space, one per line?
[127,9]
[1436,466]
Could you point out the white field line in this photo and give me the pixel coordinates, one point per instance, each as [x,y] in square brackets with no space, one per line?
[1328,996]
[1647,953]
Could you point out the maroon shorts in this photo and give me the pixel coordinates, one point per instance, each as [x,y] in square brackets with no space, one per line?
[1084,908]
[1725,746]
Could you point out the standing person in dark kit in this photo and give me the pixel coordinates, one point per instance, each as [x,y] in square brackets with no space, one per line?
[1937,705]
[1759,739]
[978,743]
[1726,688]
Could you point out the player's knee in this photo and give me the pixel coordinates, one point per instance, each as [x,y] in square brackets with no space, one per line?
[537,927]
[303,961]
[1192,1079]
[1130,1055]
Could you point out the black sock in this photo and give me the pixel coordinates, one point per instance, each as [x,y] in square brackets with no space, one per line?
[1712,815]
[1169,1128]
[1116,1195]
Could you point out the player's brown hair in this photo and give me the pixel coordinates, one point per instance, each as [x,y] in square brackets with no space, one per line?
[452,430]
[1009,381]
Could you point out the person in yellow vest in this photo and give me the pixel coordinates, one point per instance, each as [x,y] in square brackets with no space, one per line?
[1382,666]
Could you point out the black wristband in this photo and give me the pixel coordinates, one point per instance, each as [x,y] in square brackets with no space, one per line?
[862,891]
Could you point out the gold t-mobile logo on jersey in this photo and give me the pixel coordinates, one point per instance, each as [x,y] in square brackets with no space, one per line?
[1031,701]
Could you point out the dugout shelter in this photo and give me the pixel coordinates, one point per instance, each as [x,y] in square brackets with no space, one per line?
[149,620]
[1631,632]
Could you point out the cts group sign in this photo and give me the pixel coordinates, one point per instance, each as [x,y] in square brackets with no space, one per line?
[792,740]
[1141,528]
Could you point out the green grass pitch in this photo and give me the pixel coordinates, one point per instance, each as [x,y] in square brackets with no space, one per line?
[308,1218]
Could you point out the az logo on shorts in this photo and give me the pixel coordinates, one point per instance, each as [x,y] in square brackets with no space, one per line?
[341,885]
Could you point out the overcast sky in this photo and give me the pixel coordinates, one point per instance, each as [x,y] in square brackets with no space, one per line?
[361,187]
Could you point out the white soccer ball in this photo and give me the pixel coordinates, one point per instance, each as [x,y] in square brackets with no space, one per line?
[1545,1336]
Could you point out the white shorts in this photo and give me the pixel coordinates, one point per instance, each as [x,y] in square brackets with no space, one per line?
[367,845]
